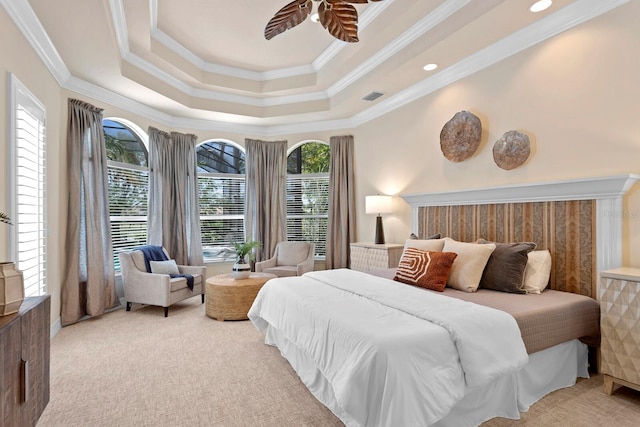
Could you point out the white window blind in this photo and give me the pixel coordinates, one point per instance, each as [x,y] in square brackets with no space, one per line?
[29,172]
[307,209]
[128,199]
[221,213]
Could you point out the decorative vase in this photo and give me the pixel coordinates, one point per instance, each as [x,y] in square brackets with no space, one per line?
[11,289]
[241,270]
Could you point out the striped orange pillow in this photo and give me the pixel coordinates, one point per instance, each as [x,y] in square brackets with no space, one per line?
[426,269]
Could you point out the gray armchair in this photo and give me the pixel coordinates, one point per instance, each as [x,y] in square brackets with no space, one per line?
[289,259]
[157,289]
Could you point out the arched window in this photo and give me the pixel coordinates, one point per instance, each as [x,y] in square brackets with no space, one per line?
[221,190]
[308,194]
[128,183]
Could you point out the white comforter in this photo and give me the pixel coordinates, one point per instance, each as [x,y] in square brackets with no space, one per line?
[393,354]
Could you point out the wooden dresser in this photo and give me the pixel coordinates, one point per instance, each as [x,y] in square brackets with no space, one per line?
[370,256]
[619,295]
[24,362]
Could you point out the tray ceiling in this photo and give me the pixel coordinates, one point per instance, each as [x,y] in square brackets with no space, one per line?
[206,63]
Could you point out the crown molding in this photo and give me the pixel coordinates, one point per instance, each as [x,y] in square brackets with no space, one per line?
[28,23]
[566,18]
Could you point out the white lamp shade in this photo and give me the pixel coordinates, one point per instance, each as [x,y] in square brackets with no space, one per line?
[377,204]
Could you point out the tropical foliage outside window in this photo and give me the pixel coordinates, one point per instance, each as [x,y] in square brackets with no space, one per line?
[308,194]
[128,183]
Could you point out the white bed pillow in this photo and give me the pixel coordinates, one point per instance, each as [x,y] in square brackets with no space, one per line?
[468,266]
[537,272]
[164,267]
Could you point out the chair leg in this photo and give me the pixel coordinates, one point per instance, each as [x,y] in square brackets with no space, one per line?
[128,306]
[202,298]
[166,311]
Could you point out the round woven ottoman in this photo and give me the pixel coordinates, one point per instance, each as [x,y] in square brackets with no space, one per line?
[230,299]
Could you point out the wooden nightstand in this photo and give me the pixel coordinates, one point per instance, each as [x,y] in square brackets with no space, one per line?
[619,295]
[369,256]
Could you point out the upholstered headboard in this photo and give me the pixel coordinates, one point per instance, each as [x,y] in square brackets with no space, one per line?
[579,221]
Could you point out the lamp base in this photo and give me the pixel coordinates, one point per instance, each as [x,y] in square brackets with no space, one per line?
[379,231]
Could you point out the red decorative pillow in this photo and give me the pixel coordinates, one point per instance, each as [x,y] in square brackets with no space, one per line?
[426,269]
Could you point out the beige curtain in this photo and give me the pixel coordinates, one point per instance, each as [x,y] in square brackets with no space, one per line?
[265,207]
[341,228]
[88,288]
[174,214]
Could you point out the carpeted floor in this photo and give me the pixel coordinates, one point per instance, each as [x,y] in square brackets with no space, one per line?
[141,369]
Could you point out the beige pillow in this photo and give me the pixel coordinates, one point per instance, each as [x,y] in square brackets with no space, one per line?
[164,267]
[537,272]
[468,266]
[429,245]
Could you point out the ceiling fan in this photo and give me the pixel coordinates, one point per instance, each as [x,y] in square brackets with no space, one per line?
[339,17]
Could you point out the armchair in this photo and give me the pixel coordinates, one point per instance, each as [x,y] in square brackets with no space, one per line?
[289,259]
[157,289]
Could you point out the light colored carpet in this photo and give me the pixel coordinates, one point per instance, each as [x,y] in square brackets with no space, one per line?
[140,369]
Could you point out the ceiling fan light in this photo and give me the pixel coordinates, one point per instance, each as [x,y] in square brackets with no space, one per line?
[315,17]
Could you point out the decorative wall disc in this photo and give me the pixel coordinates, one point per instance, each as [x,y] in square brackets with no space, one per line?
[460,136]
[512,150]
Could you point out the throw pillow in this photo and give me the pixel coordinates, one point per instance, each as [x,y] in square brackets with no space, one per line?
[505,269]
[538,271]
[469,264]
[433,236]
[426,269]
[164,267]
[432,245]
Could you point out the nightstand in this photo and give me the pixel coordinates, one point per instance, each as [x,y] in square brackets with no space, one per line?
[619,295]
[368,256]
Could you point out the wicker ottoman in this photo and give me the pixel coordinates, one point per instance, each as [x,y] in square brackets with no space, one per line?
[230,299]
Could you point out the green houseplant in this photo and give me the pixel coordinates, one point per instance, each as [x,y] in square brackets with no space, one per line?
[11,283]
[241,269]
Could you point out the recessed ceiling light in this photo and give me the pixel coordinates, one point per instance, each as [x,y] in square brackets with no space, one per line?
[540,5]
[315,17]
[430,67]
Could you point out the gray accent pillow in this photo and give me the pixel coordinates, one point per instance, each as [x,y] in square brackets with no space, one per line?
[433,236]
[506,266]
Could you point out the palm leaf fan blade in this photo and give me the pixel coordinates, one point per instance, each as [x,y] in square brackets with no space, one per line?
[341,20]
[287,17]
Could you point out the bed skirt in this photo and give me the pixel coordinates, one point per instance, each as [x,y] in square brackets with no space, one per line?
[547,370]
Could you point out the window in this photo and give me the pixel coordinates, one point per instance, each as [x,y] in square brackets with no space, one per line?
[28,172]
[221,188]
[308,194]
[128,183]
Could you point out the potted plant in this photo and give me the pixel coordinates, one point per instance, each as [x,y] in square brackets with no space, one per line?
[11,284]
[241,268]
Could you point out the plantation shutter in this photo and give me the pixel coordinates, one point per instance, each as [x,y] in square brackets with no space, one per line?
[30,190]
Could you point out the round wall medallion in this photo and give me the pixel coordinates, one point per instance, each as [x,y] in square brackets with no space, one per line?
[512,150]
[460,136]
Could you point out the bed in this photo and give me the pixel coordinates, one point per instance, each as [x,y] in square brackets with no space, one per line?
[381,353]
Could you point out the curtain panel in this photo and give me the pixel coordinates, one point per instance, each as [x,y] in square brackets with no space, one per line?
[89,285]
[174,213]
[266,186]
[341,227]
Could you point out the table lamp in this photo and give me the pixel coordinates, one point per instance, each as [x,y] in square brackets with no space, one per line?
[378,205]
